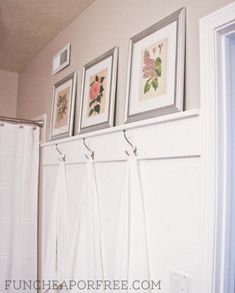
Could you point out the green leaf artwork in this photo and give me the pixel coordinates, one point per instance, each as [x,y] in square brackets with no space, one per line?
[98,99]
[91,112]
[101,88]
[97,108]
[146,87]
[154,83]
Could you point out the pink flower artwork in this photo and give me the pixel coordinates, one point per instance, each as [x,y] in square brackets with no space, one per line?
[152,68]
[94,90]
[97,93]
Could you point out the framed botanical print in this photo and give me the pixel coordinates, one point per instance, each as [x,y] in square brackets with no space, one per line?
[156,69]
[98,92]
[62,114]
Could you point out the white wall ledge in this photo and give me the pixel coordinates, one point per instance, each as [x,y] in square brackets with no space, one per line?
[153,121]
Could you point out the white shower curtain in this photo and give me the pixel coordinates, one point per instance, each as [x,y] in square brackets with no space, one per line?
[131,260]
[86,257]
[19,163]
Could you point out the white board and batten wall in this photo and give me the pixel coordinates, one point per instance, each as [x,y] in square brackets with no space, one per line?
[169,151]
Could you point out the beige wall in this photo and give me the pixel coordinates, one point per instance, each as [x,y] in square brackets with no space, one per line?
[8,93]
[105,24]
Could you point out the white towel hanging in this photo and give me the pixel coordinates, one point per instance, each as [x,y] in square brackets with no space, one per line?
[132,257]
[86,258]
[58,241]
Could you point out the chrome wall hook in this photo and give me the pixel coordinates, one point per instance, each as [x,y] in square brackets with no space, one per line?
[92,154]
[59,151]
[134,148]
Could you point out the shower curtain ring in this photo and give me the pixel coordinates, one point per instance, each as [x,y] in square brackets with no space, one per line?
[92,154]
[59,151]
[134,148]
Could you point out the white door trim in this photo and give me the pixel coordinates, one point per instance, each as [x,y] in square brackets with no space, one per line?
[215,152]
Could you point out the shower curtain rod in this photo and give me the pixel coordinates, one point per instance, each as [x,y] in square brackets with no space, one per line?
[39,123]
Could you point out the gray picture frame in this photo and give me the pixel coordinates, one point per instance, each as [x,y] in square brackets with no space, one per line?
[72,76]
[112,98]
[180,18]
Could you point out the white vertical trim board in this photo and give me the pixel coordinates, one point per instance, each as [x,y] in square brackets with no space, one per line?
[214,34]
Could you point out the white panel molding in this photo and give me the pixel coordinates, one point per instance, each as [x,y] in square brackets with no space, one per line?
[213,30]
[169,149]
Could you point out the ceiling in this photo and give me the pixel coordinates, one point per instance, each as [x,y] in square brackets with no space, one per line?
[27,26]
